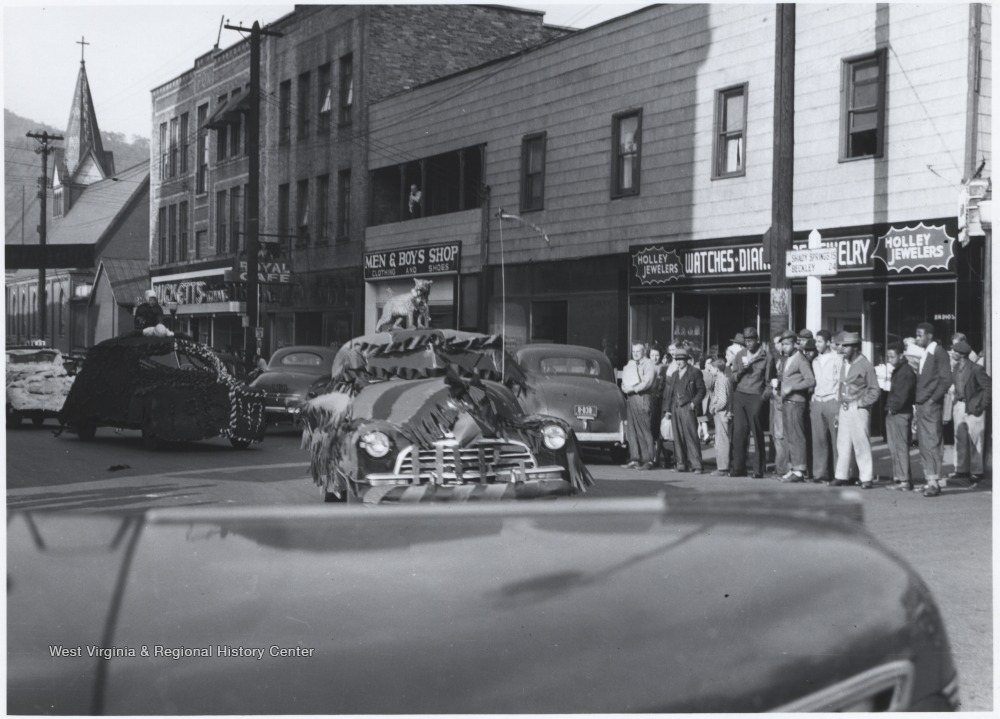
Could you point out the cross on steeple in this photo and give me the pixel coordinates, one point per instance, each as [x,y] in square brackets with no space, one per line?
[81,42]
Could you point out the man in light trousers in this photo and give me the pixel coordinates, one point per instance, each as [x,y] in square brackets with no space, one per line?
[638,378]
[823,407]
[972,398]
[720,407]
[859,391]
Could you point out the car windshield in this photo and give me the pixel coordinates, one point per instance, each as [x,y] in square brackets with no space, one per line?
[570,365]
[176,360]
[32,357]
[301,360]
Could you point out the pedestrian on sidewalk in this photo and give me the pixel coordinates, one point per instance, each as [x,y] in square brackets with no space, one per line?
[682,396]
[972,396]
[720,407]
[779,445]
[797,382]
[859,391]
[638,376]
[899,414]
[824,408]
[933,380]
[749,396]
[656,399]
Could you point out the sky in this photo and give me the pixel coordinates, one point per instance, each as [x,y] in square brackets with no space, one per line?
[134,48]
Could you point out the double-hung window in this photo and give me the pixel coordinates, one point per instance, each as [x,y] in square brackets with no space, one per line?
[221,133]
[184,143]
[730,132]
[346,88]
[344,205]
[325,98]
[202,150]
[626,153]
[302,210]
[305,114]
[221,246]
[863,107]
[533,172]
[284,111]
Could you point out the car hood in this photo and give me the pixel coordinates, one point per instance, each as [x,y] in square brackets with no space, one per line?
[562,392]
[398,401]
[584,606]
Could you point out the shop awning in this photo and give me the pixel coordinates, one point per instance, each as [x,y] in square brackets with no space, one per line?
[230,113]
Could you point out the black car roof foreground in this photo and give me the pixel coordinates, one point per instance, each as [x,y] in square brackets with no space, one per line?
[835,508]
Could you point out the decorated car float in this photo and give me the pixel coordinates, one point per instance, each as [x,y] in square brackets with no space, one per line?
[37,384]
[171,388]
[429,415]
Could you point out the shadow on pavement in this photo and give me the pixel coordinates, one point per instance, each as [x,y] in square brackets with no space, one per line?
[108,499]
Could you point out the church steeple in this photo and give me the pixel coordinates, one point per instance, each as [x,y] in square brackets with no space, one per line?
[83,137]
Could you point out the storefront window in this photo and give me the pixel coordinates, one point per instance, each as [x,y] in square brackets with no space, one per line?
[548,322]
[909,305]
[651,319]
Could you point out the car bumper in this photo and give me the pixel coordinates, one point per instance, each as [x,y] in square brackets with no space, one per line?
[386,491]
[599,437]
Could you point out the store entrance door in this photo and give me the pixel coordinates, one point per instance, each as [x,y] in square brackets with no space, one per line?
[911,304]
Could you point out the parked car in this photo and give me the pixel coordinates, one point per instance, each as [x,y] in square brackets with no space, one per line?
[578,384]
[733,603]
[419,415]
[288,377]
[171,388]
[37,383]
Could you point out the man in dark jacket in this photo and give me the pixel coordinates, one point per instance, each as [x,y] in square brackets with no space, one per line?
[972,397]
[749,398]
[899,414]
[683,394]
[933,380]
[149,314]
[796,384]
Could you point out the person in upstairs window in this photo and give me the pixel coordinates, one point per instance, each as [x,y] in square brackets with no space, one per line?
[416,198]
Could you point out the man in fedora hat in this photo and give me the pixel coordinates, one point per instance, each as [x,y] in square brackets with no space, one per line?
[859,391]
[933,380]
[972,397]
[796,384]
[823,407]
[749,396]
[682,396]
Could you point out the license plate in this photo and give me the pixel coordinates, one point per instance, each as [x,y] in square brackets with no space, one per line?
[585,411]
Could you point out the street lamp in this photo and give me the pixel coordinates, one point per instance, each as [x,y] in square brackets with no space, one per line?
[172,306]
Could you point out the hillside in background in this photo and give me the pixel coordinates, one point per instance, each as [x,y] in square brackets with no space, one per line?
[22,167]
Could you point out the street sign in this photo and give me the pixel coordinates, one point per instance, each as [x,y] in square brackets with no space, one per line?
[820,262]
[258,332]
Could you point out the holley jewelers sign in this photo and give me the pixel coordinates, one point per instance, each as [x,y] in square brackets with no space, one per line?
[916,248]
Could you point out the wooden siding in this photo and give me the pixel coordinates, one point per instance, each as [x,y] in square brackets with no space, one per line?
[669,61]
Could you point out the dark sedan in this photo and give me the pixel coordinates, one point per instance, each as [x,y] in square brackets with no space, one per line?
[288,377]
[578,384]
[727,604]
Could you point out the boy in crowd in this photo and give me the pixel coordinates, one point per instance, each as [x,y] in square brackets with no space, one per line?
[899,415]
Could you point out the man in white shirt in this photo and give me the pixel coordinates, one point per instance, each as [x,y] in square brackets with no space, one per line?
[638,377]
[824,408]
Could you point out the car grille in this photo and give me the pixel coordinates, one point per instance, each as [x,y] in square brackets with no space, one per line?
[484,461]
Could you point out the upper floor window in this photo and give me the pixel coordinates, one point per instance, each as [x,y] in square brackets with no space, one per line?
[323,225]
[863,107]
[236,131]
[161,227]
[344,205]
[202,149]
[626,153]
[346,87]
[730,132]
[285,111]
[172,215]
[283,213]
[302,210]
[221,224]
[324,96]
[163,151]
[175,141]
[533,172]
[184,143]
[183,221]
[221,133]
[305,115]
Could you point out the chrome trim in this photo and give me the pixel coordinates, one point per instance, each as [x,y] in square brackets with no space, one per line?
[595,437]
[897,675]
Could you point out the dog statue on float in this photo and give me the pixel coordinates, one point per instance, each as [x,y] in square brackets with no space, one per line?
[409,311]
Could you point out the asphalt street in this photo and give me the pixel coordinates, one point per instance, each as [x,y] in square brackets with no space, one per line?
[947,539]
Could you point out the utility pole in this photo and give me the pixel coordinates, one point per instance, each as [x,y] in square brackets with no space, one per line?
[253,187]
[783,165]
[43,149]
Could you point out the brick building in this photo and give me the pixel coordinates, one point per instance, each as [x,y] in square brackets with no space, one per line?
[640,152]
[318,80]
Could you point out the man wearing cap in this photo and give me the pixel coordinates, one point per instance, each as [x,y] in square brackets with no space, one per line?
[823,408]
[779,445]
[933,380]
[972,397]
[735,345]
[801,338]
[797,381]
[149,314]
[721,408]
[682,396]
[859,391]
[749,395]
[638,377]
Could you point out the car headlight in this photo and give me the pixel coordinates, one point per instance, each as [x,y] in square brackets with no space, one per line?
[554,436]
[376,444]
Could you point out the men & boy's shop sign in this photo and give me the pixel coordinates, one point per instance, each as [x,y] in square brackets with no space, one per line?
[431,260]
[916,248]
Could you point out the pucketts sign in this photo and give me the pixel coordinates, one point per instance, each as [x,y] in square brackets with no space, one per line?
[916,248]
